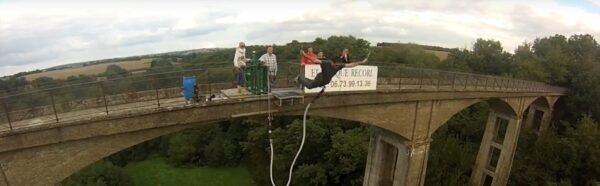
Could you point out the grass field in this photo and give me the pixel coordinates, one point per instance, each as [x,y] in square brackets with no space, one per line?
[156,171]
[90,70]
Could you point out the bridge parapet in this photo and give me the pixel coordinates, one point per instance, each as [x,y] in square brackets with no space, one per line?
[162,89]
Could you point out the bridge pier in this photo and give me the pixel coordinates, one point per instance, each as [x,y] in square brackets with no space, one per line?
[3,179]
[497,149]
[538,117]
[394,161]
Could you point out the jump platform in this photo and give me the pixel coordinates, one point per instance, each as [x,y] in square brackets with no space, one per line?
[281,95]
[288,94]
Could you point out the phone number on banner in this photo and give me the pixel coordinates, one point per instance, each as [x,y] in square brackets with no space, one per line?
[350,83]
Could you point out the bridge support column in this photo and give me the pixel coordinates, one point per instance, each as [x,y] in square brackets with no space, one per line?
[546,119]
[497,149]
[3,180]
[538,118]
[394,161]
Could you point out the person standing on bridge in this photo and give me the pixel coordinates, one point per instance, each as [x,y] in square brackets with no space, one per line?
[344,57]
[270,60]
[239,63]
[306,57]
[328,70]
[321,56]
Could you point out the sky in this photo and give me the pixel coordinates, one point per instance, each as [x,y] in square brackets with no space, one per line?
[38,34]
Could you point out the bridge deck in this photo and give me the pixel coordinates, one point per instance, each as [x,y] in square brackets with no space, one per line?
[280,94]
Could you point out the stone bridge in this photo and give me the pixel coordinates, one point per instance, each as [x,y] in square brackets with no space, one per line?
[44,150]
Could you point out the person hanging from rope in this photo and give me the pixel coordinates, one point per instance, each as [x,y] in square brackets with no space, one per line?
[328,70]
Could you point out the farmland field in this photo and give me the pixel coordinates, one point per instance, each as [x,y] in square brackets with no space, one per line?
[90,70]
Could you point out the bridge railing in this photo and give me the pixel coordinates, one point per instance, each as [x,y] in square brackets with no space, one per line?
[39,107]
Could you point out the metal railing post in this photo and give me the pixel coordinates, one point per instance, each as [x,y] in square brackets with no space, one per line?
[103,97]
[400,77]
[287,76]
[7,114]
[485,84]
[499,83]
[154,84]
[157,97]
[476,80]
[209,82]
[421,78]
[466,81]
[438,80]
[453,79]
[53,105]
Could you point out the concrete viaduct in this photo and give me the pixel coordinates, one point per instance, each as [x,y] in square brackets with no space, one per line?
[402,119]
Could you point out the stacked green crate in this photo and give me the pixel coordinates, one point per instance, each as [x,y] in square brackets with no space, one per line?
[256,76]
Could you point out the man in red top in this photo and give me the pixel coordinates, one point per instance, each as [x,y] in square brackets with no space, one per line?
[308,56]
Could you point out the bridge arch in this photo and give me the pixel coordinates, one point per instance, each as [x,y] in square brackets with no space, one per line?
[400,118]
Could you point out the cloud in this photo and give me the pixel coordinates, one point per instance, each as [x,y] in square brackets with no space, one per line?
[595,2]
[38,34]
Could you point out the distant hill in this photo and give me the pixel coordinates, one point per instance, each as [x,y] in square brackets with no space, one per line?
[426,47]
[95,67]
[440,52]
[69,70]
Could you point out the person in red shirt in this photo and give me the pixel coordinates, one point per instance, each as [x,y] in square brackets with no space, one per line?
[307,57]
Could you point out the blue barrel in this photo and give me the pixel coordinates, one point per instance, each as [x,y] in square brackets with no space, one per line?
[188,87]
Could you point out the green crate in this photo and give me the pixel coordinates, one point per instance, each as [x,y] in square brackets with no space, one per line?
[256,76]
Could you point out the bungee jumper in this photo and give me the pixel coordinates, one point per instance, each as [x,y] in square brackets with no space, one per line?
[258,79]
[328,70]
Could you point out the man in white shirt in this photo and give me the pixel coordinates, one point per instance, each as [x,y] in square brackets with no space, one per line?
[270,60]
[239,62]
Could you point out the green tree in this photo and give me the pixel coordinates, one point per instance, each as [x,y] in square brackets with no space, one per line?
[310,175]
[553,159]
[407,54]
[454,147]
[222,151]
[335,44]
[140,152]
[458,60]
[182,148]
[552,52]
[347,156]
[489,57]
[102,173]
[115,71]
[528,66]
